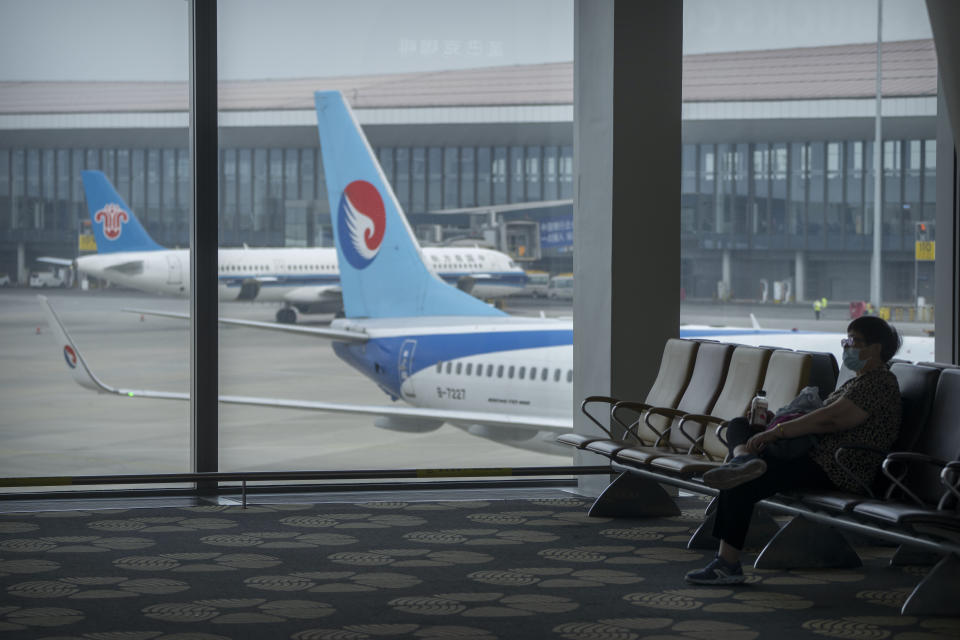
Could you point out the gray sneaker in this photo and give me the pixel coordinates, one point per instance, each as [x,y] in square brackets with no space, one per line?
[736,472]
[719,571]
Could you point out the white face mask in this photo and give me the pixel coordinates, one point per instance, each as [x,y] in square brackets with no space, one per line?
[851,359]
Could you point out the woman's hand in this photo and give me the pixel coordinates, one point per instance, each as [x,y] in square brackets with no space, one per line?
[759,441]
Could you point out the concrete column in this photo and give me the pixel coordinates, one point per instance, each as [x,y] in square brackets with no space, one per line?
[626,143]
[800,277]
[22,275]
[725,273]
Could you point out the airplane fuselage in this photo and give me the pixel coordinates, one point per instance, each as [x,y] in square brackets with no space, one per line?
[291,275]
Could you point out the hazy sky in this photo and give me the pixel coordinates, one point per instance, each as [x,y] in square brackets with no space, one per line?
[146,39]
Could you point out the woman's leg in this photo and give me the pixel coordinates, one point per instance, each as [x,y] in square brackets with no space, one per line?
[735,506]
[737,433]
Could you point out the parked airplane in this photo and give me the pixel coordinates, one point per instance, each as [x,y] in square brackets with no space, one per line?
[304,280]
[452,357]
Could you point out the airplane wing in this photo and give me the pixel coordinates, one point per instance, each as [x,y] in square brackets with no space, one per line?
[309,295]
[331,334]
[61,262]
[84,376]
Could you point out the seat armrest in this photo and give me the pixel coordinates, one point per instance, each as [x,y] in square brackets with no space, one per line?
[848,471]
[703,419]
[665,412]
[896,475]
[594,399]
[629,405]
[953,486]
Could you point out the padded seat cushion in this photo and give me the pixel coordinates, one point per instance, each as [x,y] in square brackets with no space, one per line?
[685,465]
[836,501]
[577,440]
[643,455]
[903,513]
[606,447]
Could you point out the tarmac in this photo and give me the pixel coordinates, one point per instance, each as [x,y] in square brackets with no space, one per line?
[49,426]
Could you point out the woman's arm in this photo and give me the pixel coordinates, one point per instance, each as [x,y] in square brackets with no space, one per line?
[837,416]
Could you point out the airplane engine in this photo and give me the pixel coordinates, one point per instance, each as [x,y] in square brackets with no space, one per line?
[249,290]
[466,284]
[407,425]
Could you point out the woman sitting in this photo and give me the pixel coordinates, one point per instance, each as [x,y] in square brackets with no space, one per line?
[865,410]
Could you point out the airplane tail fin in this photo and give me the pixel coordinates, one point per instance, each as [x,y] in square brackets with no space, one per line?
[382,273]
[115,227]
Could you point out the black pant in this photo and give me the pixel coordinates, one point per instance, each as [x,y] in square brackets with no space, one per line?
[735,506]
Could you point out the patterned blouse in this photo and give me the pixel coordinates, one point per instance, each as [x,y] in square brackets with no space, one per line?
[877,393]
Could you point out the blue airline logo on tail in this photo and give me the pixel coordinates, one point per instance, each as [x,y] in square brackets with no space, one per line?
[115,227]
[112,218]
[361,222]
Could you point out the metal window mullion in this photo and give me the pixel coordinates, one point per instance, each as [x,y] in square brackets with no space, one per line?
[203,239]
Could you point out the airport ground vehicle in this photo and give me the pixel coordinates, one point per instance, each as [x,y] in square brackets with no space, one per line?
[561,287]
[5,280]
[44,279]
[537,282]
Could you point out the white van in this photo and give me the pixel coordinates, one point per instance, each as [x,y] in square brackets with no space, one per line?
[537,283]
[561,287]
[43,279]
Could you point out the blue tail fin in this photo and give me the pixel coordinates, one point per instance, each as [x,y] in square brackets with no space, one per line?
[382,274]
[115,228]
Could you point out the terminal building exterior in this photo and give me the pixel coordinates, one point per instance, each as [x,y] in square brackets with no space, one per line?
[777,165]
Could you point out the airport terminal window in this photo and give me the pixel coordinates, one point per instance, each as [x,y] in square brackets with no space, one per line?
[5,191]
[418,198]
[929,180]
[138,185]
[260,189]
[435,178]
[566,172]
[498,172]
[308,186]
[385,155]
[912,183]
[484,168]
[532,168]
[516,178]
[892,190]
[451,182]
[467,172]
[834,195]
[815,208]
[244,190]
[228,196]
[550,173]
[402,184]
[707,198]
[868,191]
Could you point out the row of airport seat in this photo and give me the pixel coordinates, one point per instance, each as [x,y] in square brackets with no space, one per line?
[674,435]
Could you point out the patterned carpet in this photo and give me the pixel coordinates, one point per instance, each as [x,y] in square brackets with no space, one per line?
[419,570]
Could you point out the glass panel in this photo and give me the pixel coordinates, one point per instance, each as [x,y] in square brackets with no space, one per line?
[438,145]
[115,104]
[808,186]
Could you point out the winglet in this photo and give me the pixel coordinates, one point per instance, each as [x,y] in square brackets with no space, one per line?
[81,372]
[71,354]
[755,323]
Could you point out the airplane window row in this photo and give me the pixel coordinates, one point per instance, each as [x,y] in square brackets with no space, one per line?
[511,371]
[456,258]
[293,267]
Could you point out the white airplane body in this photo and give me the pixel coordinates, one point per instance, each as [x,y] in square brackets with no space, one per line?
[451,357]
[306,279]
